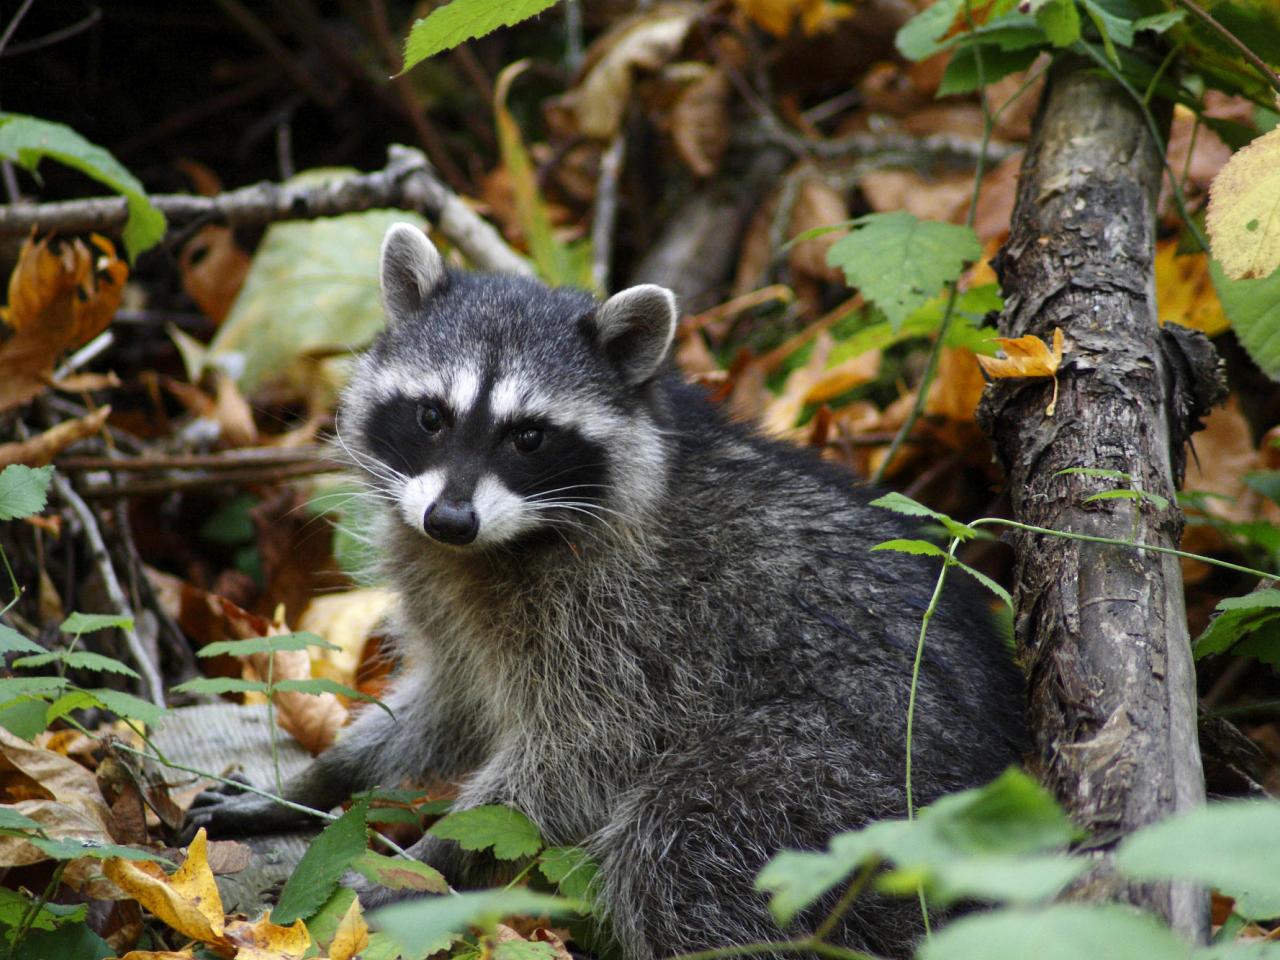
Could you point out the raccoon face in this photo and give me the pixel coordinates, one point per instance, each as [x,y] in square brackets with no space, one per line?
[494,408]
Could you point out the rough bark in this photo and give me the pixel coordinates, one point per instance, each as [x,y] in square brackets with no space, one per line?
[1101,629]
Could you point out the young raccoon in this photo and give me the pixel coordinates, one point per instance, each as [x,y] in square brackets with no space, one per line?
[653,631]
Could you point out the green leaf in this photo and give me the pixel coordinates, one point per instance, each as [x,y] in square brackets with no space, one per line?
[796,879]
[1253,307]
[123,705]
[327,858]
[1002,878]
[424,923]
[1265,482]
[398,873]
[510,833]
[69,848]
[1066,931]
[217,685]
[571,869]
[900,503]
[285,641]
[24,491]
[1159,22]
[78,660]
[987,582]
[26,140]
[523,950]
[1060,20]
[24,717]
[899,261]
[79,623]
[963,76]
[1233,847]
[1236,618]
[11,641]
[1159,502]
[11,819]
[970,309]
[11,687]
[920,37]
[15,905]
[323,924]
[919,548]
[325,685]
[68,940]
[463,20]
[1113,29]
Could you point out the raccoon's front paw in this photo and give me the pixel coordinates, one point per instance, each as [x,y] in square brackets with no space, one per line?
[226,812]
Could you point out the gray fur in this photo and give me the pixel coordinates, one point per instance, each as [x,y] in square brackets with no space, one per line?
[706,668]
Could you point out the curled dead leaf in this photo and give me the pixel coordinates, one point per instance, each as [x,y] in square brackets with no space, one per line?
[43,447]
[61,295]
[188,901]
[1027,356]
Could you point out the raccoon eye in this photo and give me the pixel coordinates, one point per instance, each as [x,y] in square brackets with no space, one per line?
[430,418]
[527,439]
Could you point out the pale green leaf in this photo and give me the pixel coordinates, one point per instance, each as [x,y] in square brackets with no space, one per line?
[218,685]
[1253,307]
[244,648]
[921,36]
[79,660]
[24,491]
[508,832]
[462,20]
[11,641]
[79,623]
[919,548]
[432,920]
[899,262]
[398,873]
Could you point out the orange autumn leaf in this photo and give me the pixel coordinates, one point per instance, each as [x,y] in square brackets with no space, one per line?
[1027,356]
[60,297]
[188,901]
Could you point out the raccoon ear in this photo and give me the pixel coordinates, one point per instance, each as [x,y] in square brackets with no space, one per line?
[635,329]
[411,268]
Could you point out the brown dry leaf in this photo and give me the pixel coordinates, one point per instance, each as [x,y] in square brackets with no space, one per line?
[817,204]
[644,42]
[700,121]
[929,198]
[43,447]
[213,270]
[264,940]
[543,935]
[55,776]
[352,934]
[1027,356]
[60,297]
[86,382]
[312,719]
[188,901]
[61,821]
[778,16]
[1185,292]
[995,202]
[780,414]
[958,386]
[233,414]
[844,376]
[346,620]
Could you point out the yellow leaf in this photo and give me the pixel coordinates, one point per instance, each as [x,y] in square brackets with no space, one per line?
[264,940]
[1027,356]
[1244,210]
[352,934]
[1184,290]
[188,901]
[844,376]
[777,16]
[184,954]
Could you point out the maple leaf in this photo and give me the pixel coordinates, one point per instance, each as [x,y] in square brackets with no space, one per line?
[1027,356]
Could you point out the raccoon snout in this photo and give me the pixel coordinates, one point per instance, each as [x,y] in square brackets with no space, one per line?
[451,521]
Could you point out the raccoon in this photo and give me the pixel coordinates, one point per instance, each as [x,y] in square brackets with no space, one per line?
[652,630]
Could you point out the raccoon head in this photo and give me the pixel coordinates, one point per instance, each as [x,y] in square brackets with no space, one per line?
[493,408]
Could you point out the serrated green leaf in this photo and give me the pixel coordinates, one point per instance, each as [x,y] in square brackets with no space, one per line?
[462,20]
[24,491]
[1236,618]
[285,641]
[11,687]
[79,623]
[987,582]
[11,641]
[571,869]
[899,261]
[508,832]
[1253,307]
[69,848]
[1233,847]
[899,503]
[921,36]
[325,685]
[327,858]
[398,873]
[422,923]
[219,685]
[26,140]
[919,548]
[123,705]
[78,660]
[1067,931]
[23,716]
[1060,20]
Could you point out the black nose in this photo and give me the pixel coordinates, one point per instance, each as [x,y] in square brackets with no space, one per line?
[451,521]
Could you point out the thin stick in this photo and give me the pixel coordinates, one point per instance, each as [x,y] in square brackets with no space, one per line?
[228,460]
[98,548]
[606,217]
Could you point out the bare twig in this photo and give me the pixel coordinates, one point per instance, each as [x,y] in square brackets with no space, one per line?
[98,548]
[606,212]
[259,457]
[407,181]
[13,24]
[218,478]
